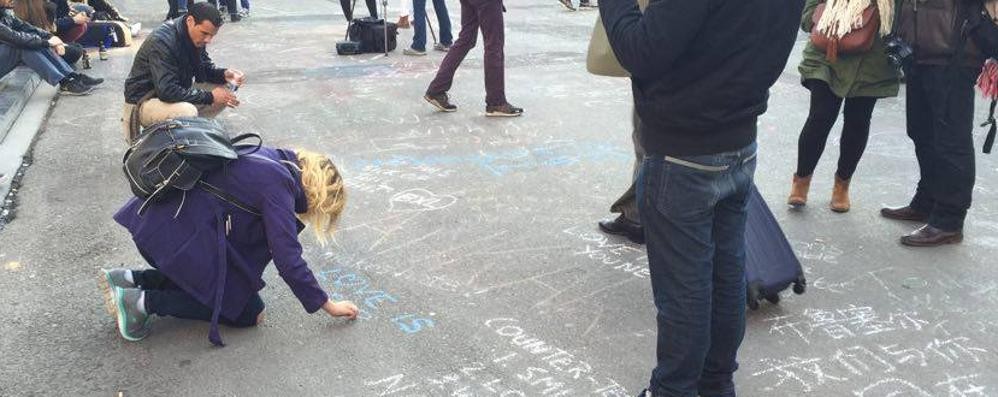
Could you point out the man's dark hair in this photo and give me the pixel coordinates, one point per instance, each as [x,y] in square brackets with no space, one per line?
[205,12]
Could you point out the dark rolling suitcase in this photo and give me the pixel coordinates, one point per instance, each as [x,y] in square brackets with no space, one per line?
[770,263]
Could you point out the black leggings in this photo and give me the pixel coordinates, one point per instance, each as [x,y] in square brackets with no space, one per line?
[825,107]
[165,298]
[372,7]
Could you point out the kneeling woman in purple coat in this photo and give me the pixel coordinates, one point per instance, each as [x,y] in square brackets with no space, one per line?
[208,254]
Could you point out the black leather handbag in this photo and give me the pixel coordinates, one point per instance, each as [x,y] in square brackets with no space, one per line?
[175,154]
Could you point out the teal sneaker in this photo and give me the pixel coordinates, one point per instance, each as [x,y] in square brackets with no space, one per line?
[133,325]
[108,278]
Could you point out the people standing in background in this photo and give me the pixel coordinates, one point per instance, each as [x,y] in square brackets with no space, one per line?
[858,80]
[486,15]
[602,62]
[940,119]
[347,6]
[231,6]
[419,22]
[701,74]
[582,4]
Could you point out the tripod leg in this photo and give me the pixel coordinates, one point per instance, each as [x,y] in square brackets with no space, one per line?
[384,4]
[432,33]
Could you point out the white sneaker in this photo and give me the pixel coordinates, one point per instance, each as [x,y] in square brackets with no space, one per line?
[413,51]
[441,47]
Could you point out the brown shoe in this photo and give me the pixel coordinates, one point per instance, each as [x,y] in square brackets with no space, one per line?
[798,192]
[905,213]
[840,195]
[928,236]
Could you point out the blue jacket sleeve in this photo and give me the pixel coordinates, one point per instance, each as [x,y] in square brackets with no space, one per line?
[282,235]
[649,44]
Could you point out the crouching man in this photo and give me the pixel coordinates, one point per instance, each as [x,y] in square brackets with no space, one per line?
[173,76]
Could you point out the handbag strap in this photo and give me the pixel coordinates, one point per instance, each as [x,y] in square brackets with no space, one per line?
[225,196]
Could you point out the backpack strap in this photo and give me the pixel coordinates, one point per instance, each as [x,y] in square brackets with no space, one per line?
[989,141]
[236,143]
[226,197]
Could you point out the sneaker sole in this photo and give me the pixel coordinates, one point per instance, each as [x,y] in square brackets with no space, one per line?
[567,4]
[122,321]
[494,114]
[437,105]
[70,93]
[104,283]
[415,54]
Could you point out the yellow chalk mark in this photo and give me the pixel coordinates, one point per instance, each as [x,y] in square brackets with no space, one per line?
[12,266]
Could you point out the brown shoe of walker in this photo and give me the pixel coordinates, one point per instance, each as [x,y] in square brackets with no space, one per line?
[798,192]
[840,195]
[905,213]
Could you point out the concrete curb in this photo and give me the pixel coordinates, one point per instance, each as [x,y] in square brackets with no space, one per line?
[16,145]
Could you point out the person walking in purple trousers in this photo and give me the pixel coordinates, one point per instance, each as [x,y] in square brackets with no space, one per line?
[475,14]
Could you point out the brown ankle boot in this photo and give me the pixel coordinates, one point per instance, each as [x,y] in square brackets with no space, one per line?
[840,195]
[798,192]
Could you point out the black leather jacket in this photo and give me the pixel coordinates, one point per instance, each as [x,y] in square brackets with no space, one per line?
[20,34]
[168,64]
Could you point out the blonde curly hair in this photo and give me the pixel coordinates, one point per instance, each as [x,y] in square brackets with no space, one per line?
[324,191]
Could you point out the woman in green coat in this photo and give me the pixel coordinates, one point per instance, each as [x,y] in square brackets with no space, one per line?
[858,80]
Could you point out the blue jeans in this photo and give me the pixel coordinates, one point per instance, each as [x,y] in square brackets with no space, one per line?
[693,209]
[43,61]
[419,22]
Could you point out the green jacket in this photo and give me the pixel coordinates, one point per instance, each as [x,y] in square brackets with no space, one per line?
[869,74]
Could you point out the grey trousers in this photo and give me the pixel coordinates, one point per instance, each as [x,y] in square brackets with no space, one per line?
[43,61]
[627,204]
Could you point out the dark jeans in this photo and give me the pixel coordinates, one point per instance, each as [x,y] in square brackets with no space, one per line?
[825,106]
[177,8]
[419,23]
[693,209]
[940,111]
[487,16]
[164,298]
[232,7]
[627,204]
[45,62]
[347,5]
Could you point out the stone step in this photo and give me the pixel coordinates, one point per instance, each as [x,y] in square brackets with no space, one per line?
[15,89]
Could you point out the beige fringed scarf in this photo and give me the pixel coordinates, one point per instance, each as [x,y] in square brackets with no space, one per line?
[844,16]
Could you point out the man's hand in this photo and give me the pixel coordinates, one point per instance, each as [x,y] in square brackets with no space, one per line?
[341,309]
[60,49]
[222,96]
[81,18]
[55,41]
[235,77]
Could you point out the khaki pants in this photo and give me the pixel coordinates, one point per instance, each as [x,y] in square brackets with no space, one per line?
[154,111]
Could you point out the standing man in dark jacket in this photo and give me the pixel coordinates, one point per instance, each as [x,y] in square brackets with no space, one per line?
[940,109]
[173,76]
[40,51]
[701,72]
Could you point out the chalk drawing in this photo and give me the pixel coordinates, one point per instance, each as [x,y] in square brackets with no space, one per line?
[419,199]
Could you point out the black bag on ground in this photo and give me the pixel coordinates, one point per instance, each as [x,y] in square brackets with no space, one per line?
[770,262]
[175,154]
[370,33]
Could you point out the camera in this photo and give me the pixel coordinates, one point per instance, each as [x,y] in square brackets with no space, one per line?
[899,52]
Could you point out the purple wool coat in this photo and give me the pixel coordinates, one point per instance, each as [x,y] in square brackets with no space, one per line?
[194,252]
